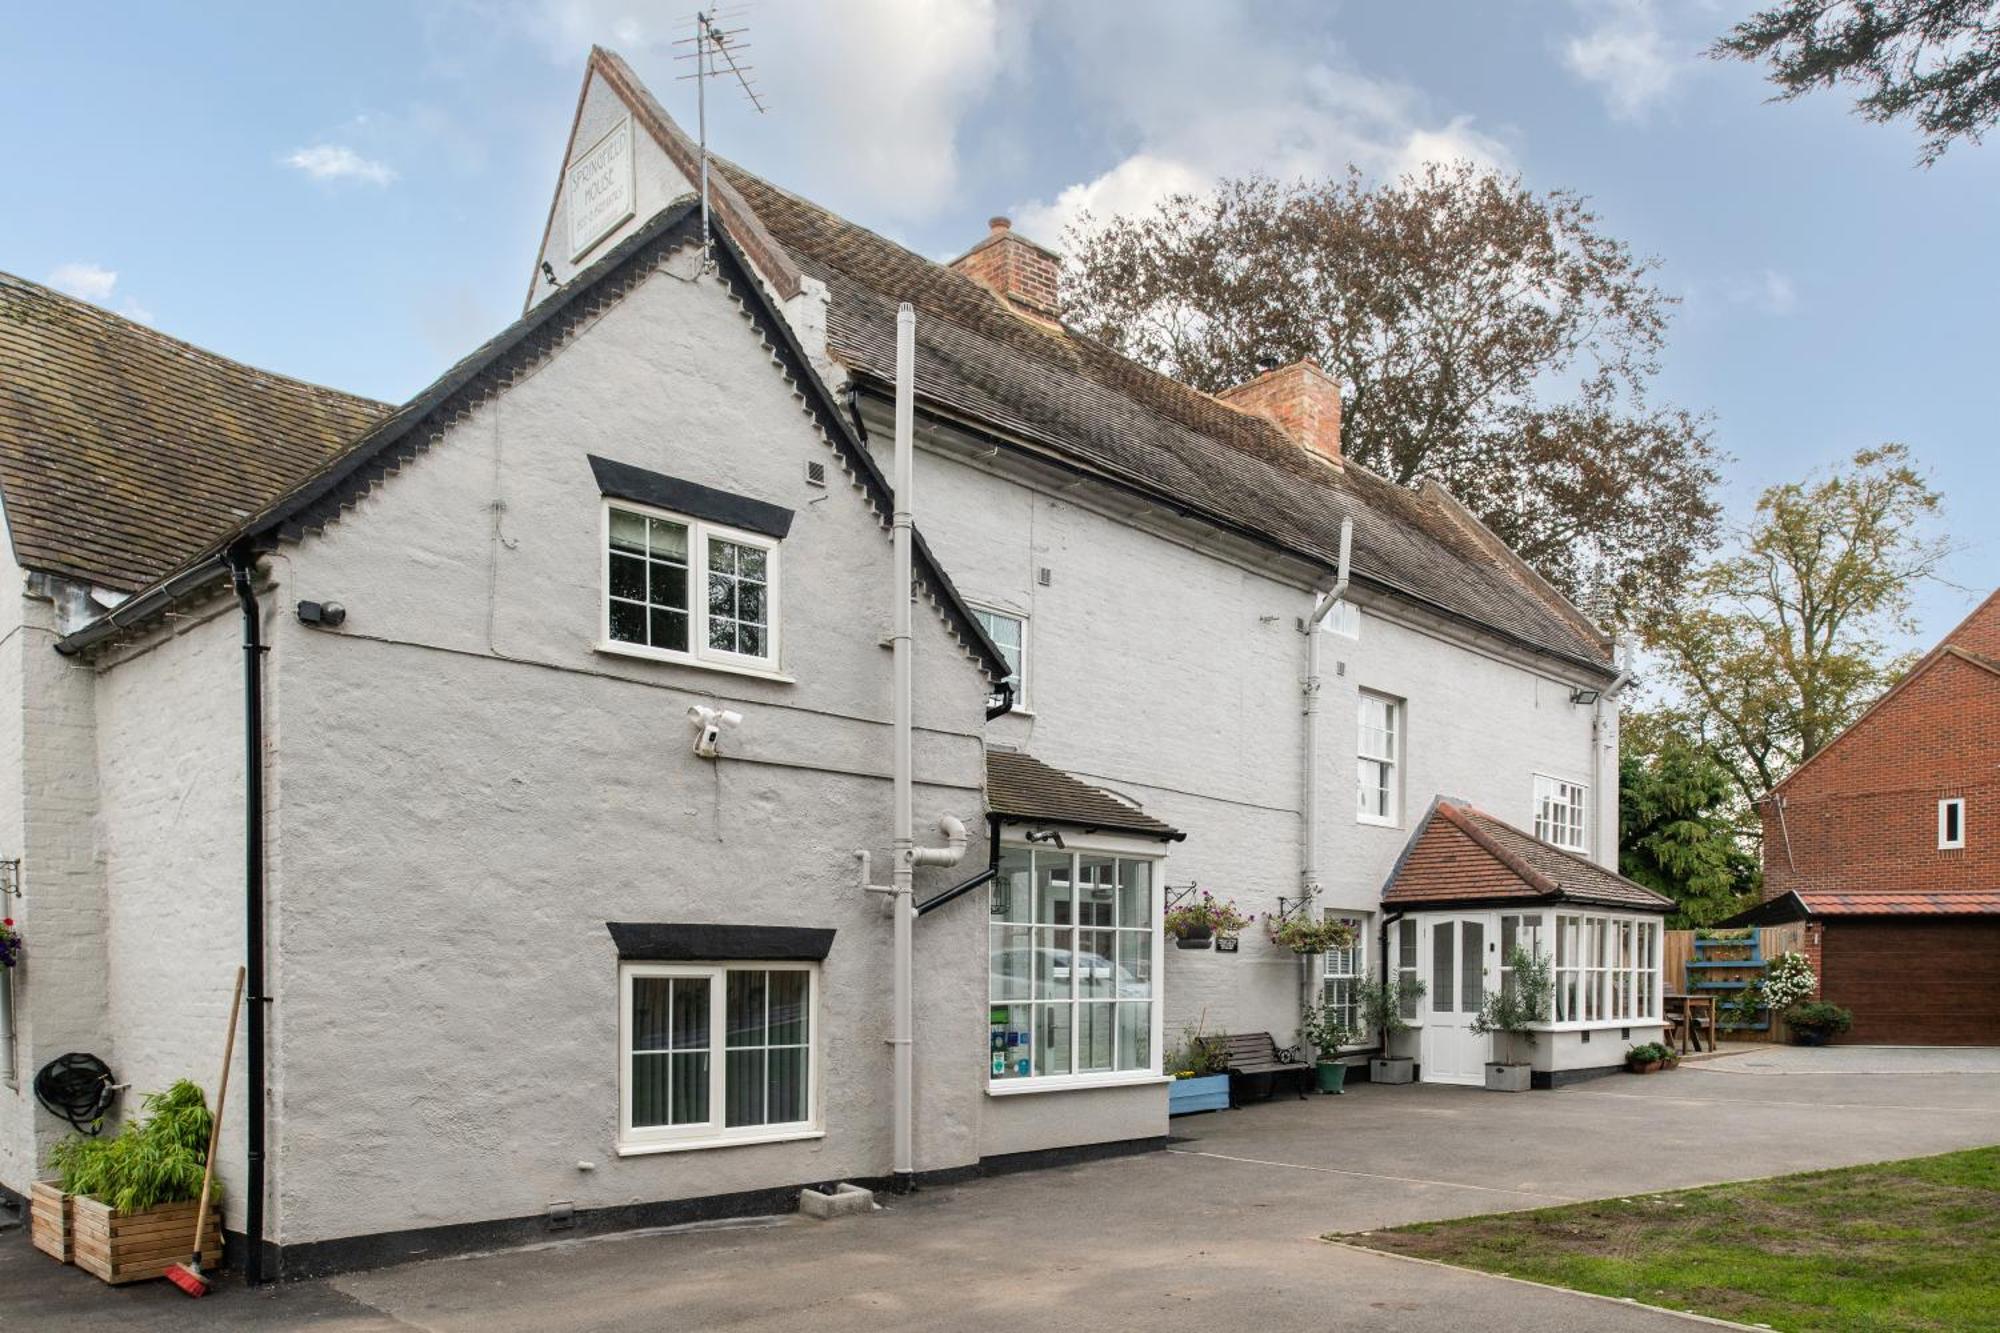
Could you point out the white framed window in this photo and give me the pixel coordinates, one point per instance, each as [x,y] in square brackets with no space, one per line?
[1073,942]
[1607,969]
[714,1054]
[687,590]
[1518,931]
[1009,633]
[1407,975]
[1561,812]
[1378,759]
[1951,823]
[1345,973]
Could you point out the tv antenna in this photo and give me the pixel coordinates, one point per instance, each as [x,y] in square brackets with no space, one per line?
[714,56]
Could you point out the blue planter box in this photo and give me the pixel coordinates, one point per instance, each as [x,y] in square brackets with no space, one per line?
[1210,1092]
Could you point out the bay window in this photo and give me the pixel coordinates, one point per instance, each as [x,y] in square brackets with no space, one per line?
[1606,969]
[688,590]
[1073,949]
[716,1054]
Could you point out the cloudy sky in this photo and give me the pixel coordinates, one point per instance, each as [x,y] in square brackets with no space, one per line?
[354,194]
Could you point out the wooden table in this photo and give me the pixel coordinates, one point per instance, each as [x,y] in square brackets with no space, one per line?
[1689,1008]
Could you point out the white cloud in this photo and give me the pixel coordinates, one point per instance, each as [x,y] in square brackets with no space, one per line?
[96,284]
[1204,94]
[1769,292]
[1627,55]
[335,162]
[89,282]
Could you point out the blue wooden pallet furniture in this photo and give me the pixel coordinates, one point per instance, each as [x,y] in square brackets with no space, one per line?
[1726,977]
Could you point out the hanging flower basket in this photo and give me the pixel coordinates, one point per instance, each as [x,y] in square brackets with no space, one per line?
[1303,935]
[10,943]
[1195,923]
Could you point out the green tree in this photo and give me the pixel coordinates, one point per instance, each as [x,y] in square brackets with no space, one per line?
[1680,822]
[1937,61]
[1492,338]
[1780,645]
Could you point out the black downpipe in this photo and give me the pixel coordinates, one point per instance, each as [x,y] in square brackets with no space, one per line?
[986,876]
[242,564]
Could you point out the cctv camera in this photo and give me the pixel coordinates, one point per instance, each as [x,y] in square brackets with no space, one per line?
[708,725]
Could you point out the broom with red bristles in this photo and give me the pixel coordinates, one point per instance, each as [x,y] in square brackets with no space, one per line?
[189,1277]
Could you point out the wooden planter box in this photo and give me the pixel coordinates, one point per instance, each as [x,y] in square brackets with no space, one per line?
[1210,1092]
[132,1247]
[49,1219]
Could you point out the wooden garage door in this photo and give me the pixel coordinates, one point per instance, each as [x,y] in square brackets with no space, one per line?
[1918,983]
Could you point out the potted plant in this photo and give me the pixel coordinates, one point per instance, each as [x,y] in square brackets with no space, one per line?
[1511,1013]
[1302,934]
[1323,1027]
[1200,1070]
[1195,924]
[1650,1057]
[10,943]
[1815,1022]
[1382,1006]
[133,1195]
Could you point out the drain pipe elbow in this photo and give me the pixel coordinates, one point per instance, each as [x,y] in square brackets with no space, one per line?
[953,829]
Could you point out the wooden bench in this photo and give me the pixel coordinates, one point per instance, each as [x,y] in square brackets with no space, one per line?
[1258,1063]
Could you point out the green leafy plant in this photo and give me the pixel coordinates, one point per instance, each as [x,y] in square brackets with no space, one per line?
[1383,1002]
[154,1161]
[1305,935]
[1743,1007]
[1206,915]
[1326,1030]
[1198,1055]
[1650,1052]
[1514,1009]
[1819,1017]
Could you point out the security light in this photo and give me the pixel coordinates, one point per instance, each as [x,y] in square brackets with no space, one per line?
[1584,697]
[708,725]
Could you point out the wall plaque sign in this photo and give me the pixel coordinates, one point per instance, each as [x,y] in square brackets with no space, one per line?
[599,188]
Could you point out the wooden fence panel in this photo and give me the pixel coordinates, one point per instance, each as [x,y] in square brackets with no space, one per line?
[1678,949]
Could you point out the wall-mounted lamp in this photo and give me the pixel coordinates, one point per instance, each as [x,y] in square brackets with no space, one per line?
[708,725]
[1584,697]
[328,615]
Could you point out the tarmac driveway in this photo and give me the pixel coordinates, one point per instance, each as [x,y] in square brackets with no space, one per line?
[1221,1230]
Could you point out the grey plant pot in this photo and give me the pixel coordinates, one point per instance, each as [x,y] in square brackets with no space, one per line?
[1509,1078]
[1393,1070]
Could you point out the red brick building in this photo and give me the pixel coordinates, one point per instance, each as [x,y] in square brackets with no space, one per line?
[1887,844]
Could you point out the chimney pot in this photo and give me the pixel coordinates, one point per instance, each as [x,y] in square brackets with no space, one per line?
[1018,271]
[1301,400]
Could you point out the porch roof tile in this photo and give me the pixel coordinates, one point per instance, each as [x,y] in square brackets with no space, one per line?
[1021,788]
[1460,855]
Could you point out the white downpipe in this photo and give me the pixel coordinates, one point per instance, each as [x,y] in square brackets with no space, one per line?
[1604,696]
[908,855]
[1309,854]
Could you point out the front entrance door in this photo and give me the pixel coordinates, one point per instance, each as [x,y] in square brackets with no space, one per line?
[1452,1052]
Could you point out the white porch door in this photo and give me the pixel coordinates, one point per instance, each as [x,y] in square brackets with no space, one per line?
[1460,953]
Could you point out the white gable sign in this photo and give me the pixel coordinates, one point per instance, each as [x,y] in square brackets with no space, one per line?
[599,187]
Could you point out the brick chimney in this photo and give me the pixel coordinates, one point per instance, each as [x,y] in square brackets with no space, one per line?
[1301,400]
[1014,268]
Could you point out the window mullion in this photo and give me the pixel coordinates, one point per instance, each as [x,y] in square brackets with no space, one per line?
[718,1033]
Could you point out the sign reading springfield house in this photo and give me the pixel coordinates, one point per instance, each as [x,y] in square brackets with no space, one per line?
[600,189]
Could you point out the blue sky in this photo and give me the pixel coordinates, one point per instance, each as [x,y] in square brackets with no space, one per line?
[353,193]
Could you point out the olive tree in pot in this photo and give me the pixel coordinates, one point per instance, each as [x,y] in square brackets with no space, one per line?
[1385,1005]
[1324,1028]
[1511,1013]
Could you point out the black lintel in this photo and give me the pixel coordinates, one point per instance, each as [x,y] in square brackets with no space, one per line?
[676,942]
[622,481]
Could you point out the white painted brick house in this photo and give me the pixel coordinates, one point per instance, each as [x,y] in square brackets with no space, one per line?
[516,929]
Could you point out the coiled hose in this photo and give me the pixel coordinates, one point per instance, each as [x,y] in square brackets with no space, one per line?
[78,1088]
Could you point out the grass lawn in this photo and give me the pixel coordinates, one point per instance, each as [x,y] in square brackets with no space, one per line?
[1897,1245]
